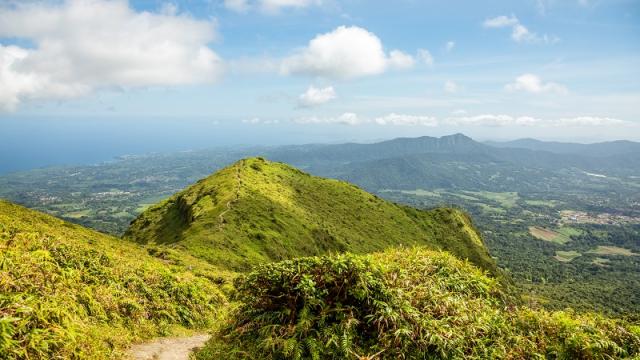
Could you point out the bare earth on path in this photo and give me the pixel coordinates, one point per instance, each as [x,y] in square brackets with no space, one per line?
[175,348]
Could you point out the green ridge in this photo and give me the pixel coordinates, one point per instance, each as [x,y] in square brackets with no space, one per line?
[259,211]
[67,292]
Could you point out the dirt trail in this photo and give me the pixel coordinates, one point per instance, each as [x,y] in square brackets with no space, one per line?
[230,202]
[176,348]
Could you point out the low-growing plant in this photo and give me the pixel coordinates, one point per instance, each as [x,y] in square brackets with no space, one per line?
[67,292]
[401,304]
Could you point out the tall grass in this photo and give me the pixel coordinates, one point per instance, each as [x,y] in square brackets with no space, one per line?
[70,293]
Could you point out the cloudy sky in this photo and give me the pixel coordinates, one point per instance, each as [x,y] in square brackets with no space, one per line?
[555,69]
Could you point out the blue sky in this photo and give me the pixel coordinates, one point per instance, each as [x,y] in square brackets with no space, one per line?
[552,69]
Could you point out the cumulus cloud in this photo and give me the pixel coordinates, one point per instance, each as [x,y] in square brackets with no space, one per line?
[346,52]
[84,45]
[316,96]
[533,84]
[519,32]
[400,60]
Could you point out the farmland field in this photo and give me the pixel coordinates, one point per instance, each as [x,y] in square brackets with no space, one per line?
[566,256]
[612,250]
[562,236]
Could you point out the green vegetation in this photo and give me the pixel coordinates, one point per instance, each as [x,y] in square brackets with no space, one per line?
[414,304]
[566,256]
[67,292]
[257,211]
[445,168]
[581,283]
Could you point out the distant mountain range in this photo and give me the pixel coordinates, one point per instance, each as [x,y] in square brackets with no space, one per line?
[532,152]
[457,161]
[602,149]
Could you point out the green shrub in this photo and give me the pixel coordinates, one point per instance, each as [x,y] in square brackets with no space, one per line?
[413,304]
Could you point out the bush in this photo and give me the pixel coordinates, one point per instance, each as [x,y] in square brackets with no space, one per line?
[413,304]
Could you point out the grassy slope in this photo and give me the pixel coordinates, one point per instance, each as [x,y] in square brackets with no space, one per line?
[401,304]
[69,292]
[278,212]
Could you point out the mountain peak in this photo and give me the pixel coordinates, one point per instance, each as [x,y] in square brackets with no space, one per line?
[257,210]
[460,136]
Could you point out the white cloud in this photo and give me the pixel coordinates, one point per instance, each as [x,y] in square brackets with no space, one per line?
[461,119]
[392,119]
[492,120]
[519,32]
[268,6]
[425,57]
[254,120]
[347,118]
[449,45]
[240,6]
[498,120]
[450,86]
[501,21]
[346,52]
[85,45]
[591,121]
[316,96]
[409,120]
[533,84]
[400,60]
[276,5]
[257,120]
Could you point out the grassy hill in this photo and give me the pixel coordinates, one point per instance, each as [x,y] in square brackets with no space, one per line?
[401,304]
[258,211]
[379,284]
[67,292]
